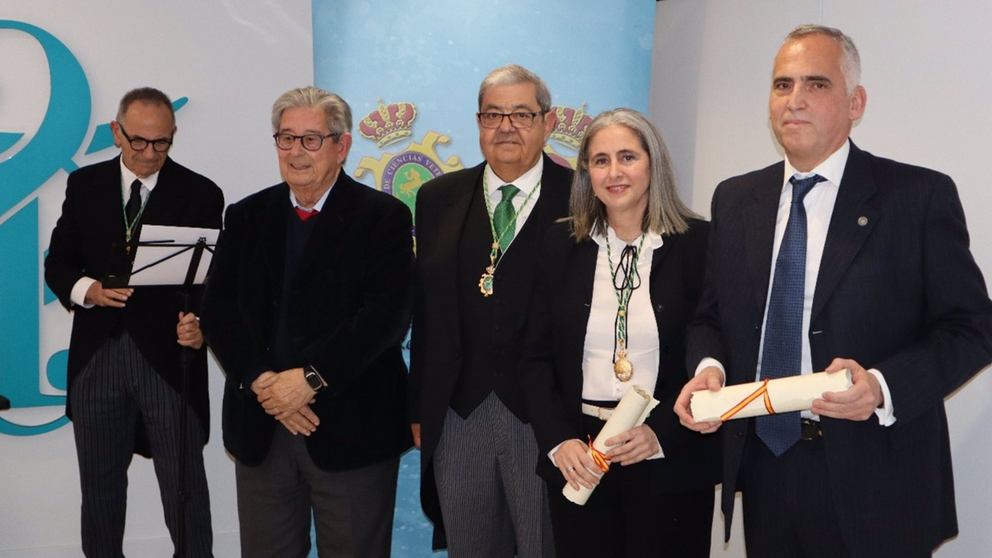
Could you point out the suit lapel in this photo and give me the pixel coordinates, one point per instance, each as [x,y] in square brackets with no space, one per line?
[545,210]
[339,205]
[759,215]
[272,236]
[586,253]
[659,255]
[854,216]
[457,200]
[162,203]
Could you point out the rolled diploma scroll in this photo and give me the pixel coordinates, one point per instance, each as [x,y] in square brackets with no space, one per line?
[632,410]
[794,393]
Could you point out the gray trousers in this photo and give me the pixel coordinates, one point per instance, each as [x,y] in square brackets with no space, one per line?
[114,388]
[493,504]
[352,510]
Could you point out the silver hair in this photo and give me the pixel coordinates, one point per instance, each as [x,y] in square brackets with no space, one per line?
[148,95]
[850,64]
[335,109]
[513,74]
[666,213]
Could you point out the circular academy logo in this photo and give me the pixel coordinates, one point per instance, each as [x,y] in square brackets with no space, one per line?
[406,173]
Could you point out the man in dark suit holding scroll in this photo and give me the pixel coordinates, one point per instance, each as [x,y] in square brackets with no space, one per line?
[839,259]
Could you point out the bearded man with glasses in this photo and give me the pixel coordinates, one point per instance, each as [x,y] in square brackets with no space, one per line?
[477,234]
[124,379]
[308,300]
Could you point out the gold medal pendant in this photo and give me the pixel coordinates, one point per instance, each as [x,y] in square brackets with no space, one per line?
[623,368]
[486,282]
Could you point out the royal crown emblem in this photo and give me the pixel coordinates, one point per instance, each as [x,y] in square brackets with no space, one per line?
[570,125]
[388,124]
[402,174]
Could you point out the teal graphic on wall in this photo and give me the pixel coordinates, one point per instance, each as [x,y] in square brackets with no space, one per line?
[22,173]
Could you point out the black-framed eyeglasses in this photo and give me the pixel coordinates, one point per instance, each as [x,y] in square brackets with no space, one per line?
[139,143]
[310,142]
[518,119]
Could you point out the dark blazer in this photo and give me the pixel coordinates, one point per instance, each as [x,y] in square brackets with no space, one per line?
[552,367]
[348,315]
[92,220]
[435,352]
[898,290]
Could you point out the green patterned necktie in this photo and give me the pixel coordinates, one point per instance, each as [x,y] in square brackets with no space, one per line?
[505,217]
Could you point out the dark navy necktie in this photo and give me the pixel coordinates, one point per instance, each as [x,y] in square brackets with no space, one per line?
[783,343]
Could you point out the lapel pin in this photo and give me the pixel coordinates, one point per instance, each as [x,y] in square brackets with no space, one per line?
[862,221]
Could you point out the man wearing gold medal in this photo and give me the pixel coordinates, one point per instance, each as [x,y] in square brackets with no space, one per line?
[477,230]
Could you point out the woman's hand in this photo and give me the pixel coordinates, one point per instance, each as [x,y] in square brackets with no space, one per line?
[633,446]
[576,465]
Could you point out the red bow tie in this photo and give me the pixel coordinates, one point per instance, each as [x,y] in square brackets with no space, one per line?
[305,214]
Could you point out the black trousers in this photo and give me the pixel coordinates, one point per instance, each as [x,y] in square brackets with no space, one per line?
[112,391]
[788,508]
[624,519]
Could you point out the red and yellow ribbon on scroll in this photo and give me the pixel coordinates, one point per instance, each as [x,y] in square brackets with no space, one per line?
[761,391]
[601,459]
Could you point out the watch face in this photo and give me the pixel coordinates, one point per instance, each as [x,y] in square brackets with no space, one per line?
[313,380]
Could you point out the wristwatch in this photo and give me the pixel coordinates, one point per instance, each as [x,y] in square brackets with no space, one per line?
[313,378]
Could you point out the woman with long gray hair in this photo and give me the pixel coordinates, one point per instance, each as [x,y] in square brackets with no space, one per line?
[618,282]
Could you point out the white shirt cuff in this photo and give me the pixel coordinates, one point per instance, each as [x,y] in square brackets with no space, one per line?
[78,293]
[660,454]
[551,454]
[706,363]
[886,413]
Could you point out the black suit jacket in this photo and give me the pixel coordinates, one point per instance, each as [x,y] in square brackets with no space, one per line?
[92,220]
[435,353]
[898,290]
[555,341]
[348,314]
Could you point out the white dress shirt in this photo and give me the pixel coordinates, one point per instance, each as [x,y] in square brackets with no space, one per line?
[527,182]
[599,383]
[819,204]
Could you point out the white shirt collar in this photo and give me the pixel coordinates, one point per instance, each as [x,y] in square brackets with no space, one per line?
[127,177]
[832,168]
[525,182]
[654,240]
[319,206]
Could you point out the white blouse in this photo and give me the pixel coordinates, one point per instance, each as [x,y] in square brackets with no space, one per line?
[598,380]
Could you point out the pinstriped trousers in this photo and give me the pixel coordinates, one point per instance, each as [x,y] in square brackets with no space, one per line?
[492,500]
[114,389]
